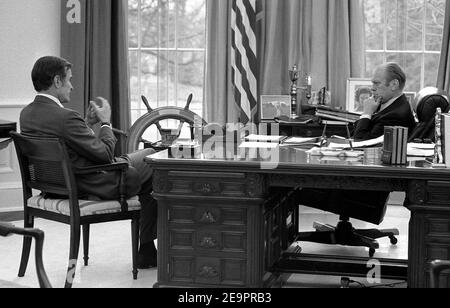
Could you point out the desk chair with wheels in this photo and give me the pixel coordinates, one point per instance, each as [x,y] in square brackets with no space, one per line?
[7,229]
[370,206]
[351,205]
[45,166]
[425,106]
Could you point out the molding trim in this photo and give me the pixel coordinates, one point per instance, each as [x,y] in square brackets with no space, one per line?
[11,186]
[11,209]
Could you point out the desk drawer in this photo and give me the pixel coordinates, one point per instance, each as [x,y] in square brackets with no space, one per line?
[207,215]
[207,184]
[207,241]
[208,271]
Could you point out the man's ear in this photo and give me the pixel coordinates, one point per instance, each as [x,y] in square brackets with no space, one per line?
[395,84]
[57,82]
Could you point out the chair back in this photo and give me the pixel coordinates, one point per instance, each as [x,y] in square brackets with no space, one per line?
[425,105]
[44,165]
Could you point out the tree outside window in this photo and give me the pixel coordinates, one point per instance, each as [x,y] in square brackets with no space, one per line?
[167,40]
[408,32]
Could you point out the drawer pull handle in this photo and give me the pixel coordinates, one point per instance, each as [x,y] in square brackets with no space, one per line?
[208,217]
[208,272]
[208,242]
[206,188]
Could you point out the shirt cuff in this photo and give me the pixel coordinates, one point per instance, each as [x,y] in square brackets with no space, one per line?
[366,116]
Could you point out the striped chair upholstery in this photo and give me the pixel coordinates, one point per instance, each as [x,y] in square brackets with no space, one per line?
[87,208]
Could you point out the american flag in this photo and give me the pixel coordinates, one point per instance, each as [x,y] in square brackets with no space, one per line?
[243,58]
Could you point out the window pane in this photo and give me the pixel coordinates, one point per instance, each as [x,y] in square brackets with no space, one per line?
[374,14]
[149,23]
[190,79]
[191,23]
[158,23]
[434,24]
[372,61]
[134,80]
[431,69]
[133,7]
[412,30]
[414,26]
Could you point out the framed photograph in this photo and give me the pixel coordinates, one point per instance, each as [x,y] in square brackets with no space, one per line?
[275,106]
[358,91]
[411,96]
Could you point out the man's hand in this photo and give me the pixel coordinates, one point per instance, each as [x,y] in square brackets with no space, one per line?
[102,109]
[91,117]
[371,106]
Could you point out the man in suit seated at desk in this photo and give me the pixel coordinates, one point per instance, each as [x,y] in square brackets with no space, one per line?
[387,107]
[47,117]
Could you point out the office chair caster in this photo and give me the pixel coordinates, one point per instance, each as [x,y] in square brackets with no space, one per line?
[154,117]
[394,240]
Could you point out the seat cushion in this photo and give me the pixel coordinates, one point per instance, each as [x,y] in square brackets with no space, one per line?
[87,208]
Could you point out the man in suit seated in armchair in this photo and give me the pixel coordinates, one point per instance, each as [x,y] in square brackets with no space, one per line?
[46,116]
[387,107]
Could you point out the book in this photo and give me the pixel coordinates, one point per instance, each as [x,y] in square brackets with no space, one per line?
[395,147]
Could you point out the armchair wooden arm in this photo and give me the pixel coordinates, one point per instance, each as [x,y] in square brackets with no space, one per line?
[7,229]
[121,166]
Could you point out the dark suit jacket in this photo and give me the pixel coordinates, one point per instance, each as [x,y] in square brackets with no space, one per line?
[397,114]
[45,118]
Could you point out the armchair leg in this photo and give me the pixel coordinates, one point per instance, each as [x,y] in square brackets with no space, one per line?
[135,245]
[73,255]
[86,233]
[28,223]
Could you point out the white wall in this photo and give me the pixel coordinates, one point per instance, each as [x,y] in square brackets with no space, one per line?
[28,30]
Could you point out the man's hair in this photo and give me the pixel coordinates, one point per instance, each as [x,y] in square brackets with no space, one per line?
[46,69]
[395,72]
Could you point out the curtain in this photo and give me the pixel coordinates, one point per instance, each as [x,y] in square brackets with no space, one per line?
[97,46]
[219,104]
[444,66]
[324,38]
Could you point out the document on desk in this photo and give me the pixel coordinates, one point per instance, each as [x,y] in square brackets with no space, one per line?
[421,149]
[358,145]
[259,145]
[300,140]
[264,138]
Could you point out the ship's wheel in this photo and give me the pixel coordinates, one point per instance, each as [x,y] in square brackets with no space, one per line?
[155,117]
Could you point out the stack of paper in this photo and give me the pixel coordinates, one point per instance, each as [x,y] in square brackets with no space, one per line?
[421,149]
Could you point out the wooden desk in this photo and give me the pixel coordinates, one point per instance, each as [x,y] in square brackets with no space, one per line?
[231,222]
[5,128]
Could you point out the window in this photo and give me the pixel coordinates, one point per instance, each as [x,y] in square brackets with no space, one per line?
[408,32]
[167,42]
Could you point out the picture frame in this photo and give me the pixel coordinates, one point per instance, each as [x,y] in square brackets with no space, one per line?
[358,90]
[275,106]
